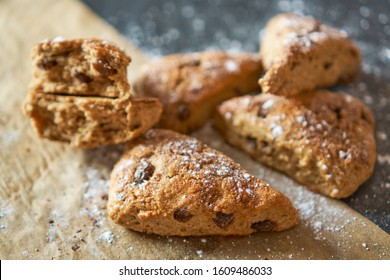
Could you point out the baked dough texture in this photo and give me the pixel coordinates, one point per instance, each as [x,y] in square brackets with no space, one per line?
[321,139]
[79,94]
[190,86]
[301,54]
[167,183]
[90,122]
[81,67]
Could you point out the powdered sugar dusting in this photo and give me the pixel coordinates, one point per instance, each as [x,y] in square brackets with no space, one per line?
[268,104]
[8,138]
[200,254]
[95,185]
[6,211]
[58,39]
[107,236]
[319,213]
[231,66]
[384,159]
[277,130]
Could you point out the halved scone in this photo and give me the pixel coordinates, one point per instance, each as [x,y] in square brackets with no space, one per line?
[90,121]
[79,94]
[80,66]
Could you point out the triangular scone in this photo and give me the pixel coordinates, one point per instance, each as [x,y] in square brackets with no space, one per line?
[172,184]
[190,86]
[323,140]
[80,67]
[90,121]
[301,54]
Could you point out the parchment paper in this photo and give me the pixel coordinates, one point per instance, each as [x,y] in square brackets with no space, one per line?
[53,197]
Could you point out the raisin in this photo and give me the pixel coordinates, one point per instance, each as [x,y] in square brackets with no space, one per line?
[266,225]
[183,112]
[353,53]
[337,111]
[222,220]
[237,91]
[327,65]
[365,117]
[82,77]
[75,247]
[135,126]
[294,65]
[192,63]
[143,172]
[182,215]
[261,113]
[47,63]
[104,67]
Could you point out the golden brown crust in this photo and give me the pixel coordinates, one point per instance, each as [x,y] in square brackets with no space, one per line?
[322,139]
[90,121]
[190,86]
[80,66]
[301,54]
[171,184]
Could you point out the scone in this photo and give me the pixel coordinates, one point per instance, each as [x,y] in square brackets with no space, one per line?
[79,94]
[321,139]
[167,183]
[80,67]
[90,121]
[190,86]
[301,54]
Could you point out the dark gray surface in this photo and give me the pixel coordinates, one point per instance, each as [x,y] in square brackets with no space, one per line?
[165,27]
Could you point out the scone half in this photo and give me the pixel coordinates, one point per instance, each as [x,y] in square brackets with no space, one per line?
[90,122]
[85,66]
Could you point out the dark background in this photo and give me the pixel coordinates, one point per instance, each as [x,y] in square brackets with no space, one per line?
[164,27]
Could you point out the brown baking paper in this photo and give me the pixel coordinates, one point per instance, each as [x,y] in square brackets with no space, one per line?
[53,197]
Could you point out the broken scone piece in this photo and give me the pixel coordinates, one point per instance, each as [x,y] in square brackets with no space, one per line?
[190,86]
[172,184]
[300,54]
[80,67]
[323,140]
[90,121]
[79,94]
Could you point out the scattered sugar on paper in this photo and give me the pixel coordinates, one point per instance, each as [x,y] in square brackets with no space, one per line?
[95,184]
[7,138]
[384,159]
[200,253]
[25,254]
[51,233]
[107,236]
[6,211]
[381,135]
